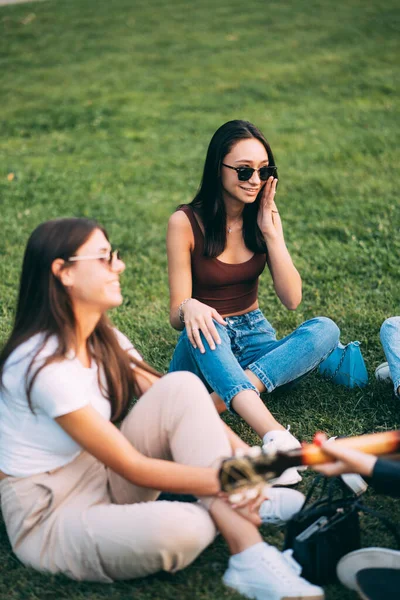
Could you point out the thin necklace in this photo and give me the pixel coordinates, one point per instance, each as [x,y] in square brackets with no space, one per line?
[229,228]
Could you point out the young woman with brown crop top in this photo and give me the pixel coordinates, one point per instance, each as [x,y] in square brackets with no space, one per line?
[218,246]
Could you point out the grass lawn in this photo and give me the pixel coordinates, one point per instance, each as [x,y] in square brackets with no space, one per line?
[107,108]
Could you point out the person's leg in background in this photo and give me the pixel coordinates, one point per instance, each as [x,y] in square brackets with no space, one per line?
[390,338]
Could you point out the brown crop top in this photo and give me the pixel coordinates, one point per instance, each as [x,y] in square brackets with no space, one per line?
[229,288]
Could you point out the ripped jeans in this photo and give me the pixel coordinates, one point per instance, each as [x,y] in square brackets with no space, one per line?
[249,342]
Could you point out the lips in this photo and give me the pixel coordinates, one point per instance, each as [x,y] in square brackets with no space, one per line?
[250,190]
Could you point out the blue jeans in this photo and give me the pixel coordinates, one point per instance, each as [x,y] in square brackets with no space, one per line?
[390,338]
[249,342]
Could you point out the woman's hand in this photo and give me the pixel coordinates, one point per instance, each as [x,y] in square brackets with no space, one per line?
[347,461]
[247,502]
[287,281]
[268,218]
[199,318]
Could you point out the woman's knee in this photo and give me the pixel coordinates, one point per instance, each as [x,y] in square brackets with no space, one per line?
[182,543]
[327,329]
[183,380]
[388,328]
[183,387]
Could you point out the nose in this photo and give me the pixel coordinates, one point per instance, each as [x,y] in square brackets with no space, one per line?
[255,178]
[118,265]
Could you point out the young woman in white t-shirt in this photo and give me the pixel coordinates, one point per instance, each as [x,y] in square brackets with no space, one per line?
[78,494]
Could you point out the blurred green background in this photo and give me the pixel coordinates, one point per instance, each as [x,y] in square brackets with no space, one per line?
[107,109]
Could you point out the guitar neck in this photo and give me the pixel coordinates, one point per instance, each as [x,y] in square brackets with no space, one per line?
[374,443]
[236,473]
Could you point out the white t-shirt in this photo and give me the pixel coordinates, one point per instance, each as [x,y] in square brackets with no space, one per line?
[36,443]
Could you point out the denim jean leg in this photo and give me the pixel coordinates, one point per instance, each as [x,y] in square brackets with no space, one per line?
[183,360]
[296,354]
[218,368]
[390,338]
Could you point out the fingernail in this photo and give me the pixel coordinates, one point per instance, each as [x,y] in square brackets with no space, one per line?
[202,351]
[218,341]
[251,494]
[213,347]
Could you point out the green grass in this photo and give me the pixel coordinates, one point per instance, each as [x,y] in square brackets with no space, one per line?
[107,108]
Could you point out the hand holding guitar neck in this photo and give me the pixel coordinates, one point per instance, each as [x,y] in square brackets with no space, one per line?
[237,473]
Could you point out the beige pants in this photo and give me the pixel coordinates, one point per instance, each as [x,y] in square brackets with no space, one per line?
[91,524]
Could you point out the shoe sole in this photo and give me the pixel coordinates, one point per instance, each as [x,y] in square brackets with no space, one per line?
[244,592]
[352,563]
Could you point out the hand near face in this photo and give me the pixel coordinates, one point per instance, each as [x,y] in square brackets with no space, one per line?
[268,218]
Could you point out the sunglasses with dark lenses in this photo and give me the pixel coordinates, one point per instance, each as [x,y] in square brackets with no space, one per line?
[246,173]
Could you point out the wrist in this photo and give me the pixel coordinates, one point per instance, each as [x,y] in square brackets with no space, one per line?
[273,238]
[181,313]
[368,465]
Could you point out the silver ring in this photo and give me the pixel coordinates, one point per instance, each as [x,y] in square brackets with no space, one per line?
[195,329]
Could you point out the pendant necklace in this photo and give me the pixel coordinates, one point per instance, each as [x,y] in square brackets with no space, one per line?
[229,228]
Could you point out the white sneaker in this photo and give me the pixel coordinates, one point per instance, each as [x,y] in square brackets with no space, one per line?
[382,373]
[283,440]
[281,505]
[366,558]
[269,575]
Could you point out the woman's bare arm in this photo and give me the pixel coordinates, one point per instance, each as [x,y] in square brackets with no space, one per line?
[286,278]
[180,242]
[106,443]
[198,317]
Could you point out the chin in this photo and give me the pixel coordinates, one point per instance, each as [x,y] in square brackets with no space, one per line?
[114,302]
[248,200]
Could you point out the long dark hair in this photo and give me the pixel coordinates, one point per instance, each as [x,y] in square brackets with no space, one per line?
[44,306]
[208,202]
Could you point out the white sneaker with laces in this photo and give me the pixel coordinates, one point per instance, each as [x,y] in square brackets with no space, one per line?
[382,373]
[281,505]
[283,440]
[263,573]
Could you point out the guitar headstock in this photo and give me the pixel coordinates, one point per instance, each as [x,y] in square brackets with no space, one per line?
[246,471]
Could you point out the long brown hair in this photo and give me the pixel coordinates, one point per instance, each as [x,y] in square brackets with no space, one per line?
[44,306]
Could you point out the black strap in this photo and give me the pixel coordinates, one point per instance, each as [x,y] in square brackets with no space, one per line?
[326,483]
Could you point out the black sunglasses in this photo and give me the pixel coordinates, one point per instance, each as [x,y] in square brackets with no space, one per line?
[246,173]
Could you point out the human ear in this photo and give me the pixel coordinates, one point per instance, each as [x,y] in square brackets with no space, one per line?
[61,272]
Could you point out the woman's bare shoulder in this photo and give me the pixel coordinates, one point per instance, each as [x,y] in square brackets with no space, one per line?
[179,220]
